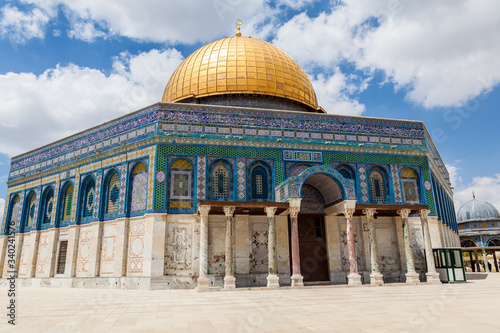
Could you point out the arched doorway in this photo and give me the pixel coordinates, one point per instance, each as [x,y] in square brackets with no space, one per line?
[318,191]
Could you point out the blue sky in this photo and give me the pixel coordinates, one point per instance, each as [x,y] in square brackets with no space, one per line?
[68,65]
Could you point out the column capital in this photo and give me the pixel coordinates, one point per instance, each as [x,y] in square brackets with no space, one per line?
[404,212]
[424,213]
[348,212]
[293,211]
[270,211]
[203,210]
[369,212]
[229,210]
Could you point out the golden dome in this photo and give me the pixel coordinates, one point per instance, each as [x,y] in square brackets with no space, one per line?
[240,65]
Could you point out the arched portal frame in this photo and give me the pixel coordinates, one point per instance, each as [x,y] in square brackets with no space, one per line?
[110,197]
[47,206]
[292,187]
[65,203]
[420,184]
[135,207]
[256,168]
[387,185]
[14,214]
[180,172]
[297,169]
[86,200]
[29,211]
[231,180]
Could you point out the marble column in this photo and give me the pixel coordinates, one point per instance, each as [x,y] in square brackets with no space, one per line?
[273,280]
[229,280]
[478,267]
[353,279]
[432,275]
[203,277]
[297,279]
[485,261]
[376,278]
[411,275]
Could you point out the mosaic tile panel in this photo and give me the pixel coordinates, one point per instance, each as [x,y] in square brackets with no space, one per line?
[181,174]
[363,185]
[151,177]
[201,181]
[395,184]
[113,195]
[241,174]
[123,187]
[97,193]
[139,188]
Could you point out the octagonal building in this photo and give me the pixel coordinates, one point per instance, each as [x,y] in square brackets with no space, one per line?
[237,178]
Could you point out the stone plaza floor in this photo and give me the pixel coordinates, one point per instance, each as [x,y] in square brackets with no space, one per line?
[460,307]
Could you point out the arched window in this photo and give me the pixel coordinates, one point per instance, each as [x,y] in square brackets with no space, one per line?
[221,178]
[378,186]
[410,184]
[259,182]
[347,172]
[14,215]
[67,202]
[29,209]
[47,206]
[181,176]
[88,198]
[112,193]
[494,242]
[138,188]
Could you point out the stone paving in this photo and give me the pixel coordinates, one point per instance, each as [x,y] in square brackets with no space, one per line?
[443,308]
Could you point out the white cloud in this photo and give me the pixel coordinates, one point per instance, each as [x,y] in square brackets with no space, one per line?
[19,26]
[486,188]
[444,53]
[37,110]
[333,93]
[2,208]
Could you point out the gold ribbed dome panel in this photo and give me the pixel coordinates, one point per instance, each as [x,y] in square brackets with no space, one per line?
[240,65]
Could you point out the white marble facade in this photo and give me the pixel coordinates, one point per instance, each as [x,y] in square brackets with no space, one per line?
[160,251]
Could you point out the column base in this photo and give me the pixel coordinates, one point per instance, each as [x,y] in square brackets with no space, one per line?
[433,278]
[376,279]
[297,280]
[354,279]
[412,278]
[229,282]
[202,284]
[273,281]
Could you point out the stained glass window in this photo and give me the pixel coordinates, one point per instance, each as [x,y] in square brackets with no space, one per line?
[47,206]
[113,193]
[259,184]
[67,203]
[220,182]
[139,188]
[88,198]
[377,186]
[181,185]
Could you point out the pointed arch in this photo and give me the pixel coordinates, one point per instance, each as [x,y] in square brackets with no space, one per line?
[47,206]
[66,202]
[87,198]
[13,214]
[410,185]
[260,181]
[221,180]
[181,185]
[379,185]
[111,198]
[29,210]
[138,188]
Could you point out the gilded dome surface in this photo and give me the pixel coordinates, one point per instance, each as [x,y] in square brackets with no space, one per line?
[477,210]
[240,65]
